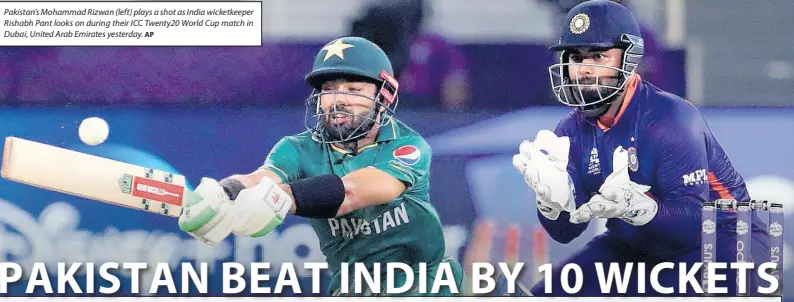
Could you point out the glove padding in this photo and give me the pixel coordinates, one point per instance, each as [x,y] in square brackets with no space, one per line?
[261,209]
[206,213]
[544,164]
[619,197]
[210,216]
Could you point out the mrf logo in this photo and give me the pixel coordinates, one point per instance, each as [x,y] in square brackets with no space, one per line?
[698,177]
[408,155]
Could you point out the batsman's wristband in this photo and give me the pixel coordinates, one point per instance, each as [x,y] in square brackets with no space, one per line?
[318,196]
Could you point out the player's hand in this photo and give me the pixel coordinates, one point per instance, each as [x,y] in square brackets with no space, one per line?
[619,197]
[261,209]
[210,216]
[544,164]
[206,213]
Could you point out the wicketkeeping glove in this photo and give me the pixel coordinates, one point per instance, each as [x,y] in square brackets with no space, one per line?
[619,197]
[544,164]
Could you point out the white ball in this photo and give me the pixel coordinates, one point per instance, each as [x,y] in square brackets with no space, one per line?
[93,131]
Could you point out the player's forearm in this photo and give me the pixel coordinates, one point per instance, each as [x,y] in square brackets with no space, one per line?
[328,196]
[561,229]
[368,187]
[252,179]
[675,221]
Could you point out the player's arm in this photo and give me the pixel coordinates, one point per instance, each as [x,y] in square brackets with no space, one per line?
[328,196]
[261,200]
[281,167]
[682,151]
[561,229]
[361,188]
[367,187]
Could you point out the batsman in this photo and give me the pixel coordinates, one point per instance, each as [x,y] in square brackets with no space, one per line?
[633,154]
[359,176]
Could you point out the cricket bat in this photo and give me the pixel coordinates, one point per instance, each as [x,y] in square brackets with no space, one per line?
[93,177]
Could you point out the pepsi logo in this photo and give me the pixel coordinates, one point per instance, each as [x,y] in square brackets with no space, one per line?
[408,155]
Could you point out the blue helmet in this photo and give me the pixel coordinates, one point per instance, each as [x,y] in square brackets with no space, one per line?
[599,25]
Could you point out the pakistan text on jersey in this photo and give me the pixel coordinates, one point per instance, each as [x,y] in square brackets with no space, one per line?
[351,227]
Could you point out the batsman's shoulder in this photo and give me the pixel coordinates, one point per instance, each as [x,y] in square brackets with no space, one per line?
[299,139]
[406,135]
[292,144]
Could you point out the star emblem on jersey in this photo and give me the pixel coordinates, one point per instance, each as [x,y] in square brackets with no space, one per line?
[336,49]
[580,23]
[408,155]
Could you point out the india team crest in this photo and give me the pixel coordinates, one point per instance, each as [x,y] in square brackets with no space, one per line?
[408,155]
[580,23]
[634,162]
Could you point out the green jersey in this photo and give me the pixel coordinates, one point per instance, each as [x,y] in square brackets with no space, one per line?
[406,230]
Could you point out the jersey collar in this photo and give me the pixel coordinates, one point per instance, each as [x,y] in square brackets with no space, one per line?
[386,133]
[631,88]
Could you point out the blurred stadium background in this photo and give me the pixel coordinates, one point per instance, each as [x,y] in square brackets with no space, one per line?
[474,82]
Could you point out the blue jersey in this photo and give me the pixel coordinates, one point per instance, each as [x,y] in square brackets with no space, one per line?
[672,150]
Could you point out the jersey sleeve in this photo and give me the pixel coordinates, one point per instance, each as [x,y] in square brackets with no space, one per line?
[682,180]
[562,230]
[283,160]
[407,159]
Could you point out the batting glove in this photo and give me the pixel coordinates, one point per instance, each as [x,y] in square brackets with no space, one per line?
[206,214]
[260,209]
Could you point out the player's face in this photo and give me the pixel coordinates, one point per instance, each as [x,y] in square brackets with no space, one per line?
[347,105]
[591,71]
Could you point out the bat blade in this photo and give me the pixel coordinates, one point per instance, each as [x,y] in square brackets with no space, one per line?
[93,177]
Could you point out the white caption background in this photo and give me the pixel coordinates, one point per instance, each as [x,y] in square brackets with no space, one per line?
[133,23]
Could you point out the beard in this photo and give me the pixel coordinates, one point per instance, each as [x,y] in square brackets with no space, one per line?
[350,125]
[593,91]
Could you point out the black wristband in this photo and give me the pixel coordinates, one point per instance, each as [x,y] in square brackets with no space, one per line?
[232,187]
[318,196]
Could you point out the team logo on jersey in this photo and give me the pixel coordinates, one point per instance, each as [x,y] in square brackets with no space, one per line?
[634,163]
[408,155]
[595,164]
[698,177]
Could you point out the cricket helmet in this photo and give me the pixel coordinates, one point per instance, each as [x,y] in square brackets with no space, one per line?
[359,60]
[596,24]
